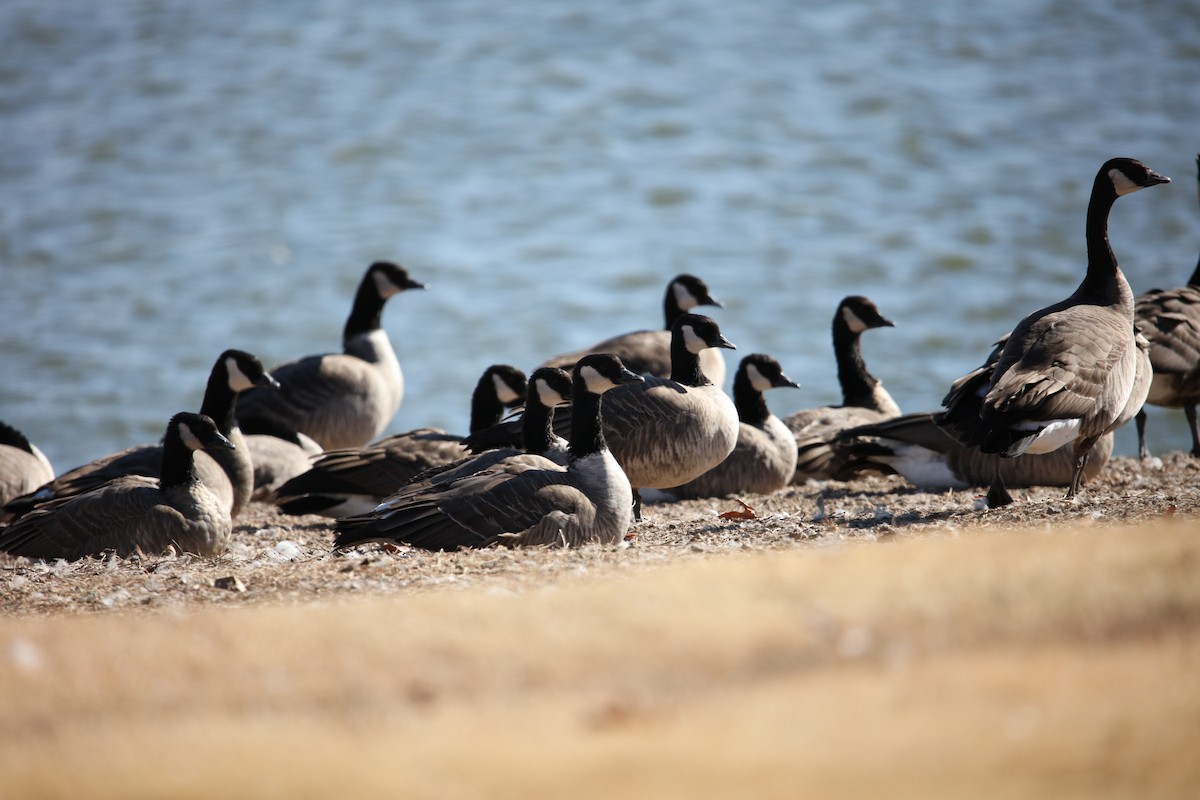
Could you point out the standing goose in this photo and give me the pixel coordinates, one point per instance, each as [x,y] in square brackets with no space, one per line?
[524,499]
[649,352]
[354,480]
[764,458]
[228,473]
[134,513]
[23,467]
[864,399]
[340,399]
[1170,318]
[1068,371]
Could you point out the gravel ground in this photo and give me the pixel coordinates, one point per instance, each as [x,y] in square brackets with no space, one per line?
[276,558]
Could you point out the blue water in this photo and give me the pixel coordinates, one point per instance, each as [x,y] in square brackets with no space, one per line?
[181,177]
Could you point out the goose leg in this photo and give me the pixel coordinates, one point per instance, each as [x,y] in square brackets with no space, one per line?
[1189,411]
[637,505]
[1083,448]
[997,495]
[1140,421]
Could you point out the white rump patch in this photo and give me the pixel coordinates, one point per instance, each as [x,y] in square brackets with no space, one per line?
[852,320]
[1055,433]
[238,382]
[504,392]
[1121,183]
[549,397]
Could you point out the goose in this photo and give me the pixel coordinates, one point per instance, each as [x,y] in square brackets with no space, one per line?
[134,513]
[23,467]
[665,432]
[278,457]
[1067,371]
[342,399]
[1171,321]
[524,499]
[354,480]
[918,447]
[764,458]
[864,399]
[649,352]
[228,473]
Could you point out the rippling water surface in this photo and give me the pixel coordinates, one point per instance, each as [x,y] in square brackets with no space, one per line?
[182,177]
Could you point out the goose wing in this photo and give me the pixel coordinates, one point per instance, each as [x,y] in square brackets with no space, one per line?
[1171,321]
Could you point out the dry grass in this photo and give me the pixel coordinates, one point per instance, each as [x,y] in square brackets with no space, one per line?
[1060,661]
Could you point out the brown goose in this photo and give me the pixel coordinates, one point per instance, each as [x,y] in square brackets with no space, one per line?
[23,467]
[764,458]
[1067,372]
[1170,318]
[341,399]
[228,473]
[354,480]
[134,513]
[864,400]
[649,352]
[523,499]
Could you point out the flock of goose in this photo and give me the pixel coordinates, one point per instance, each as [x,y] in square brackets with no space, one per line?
[596,427]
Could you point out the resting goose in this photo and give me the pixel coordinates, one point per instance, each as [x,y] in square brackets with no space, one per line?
[228,473]
[1067,372]
[864,399]
[1170,318]
[341,399]
[134,513]
[523,499]
[278,457]
[649,352]
[23,467]
[764,458]
[354,480]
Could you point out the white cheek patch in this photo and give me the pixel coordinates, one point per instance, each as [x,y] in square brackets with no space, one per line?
[852,321]
[383,284]
[692,340]
[595,382]
[757,379]
[548,396]
[683,298]
[190,439]
[1121,183]
[238,382]
[504,392]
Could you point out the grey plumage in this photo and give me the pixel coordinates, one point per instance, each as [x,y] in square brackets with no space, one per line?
[355,480]
[764,458]
[524,499]
[341,399]
[228,473]
[1170,319]
[1067,371]
[648,352]
[134,513]
[864,400]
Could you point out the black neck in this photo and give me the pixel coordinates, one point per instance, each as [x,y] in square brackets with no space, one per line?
[750,403]
[1102,284]
[587,435]
[366,315]
[671,309]
[858,385]
[178,464]
[486,408]
[537,427]
[1195,279]
[220,402]
[685,365]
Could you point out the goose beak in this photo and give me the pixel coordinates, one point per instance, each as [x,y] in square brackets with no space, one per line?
[784,380]
[268,381]
[723,342]
[628,376]
[1153,178]
[411,284]
[219,440]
